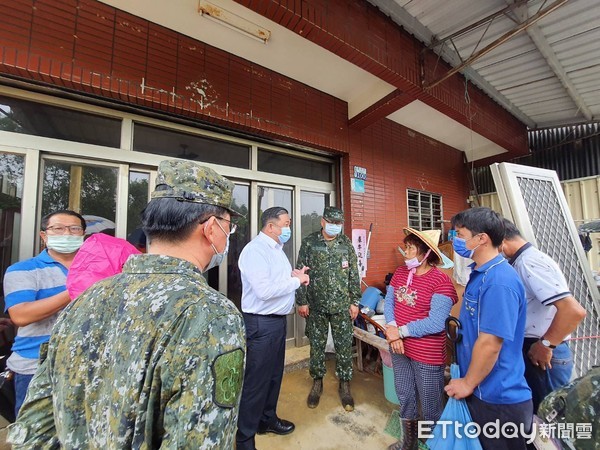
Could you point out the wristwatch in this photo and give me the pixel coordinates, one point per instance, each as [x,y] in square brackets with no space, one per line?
[546,343]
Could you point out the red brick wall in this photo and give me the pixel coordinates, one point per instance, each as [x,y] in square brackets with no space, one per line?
[397,158]
[90,47]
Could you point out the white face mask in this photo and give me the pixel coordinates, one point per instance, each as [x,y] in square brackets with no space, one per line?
[66,243]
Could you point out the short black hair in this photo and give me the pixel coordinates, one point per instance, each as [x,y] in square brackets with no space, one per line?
[171,220]
[481,220]
[510,230]
[271,215]
[66,212]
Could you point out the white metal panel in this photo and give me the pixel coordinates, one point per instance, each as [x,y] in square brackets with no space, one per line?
[583,199]
[533,199]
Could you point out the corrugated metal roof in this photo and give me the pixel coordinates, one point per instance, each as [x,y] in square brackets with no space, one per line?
[550,72]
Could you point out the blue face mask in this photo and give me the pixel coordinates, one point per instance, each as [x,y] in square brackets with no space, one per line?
[286,234]
[217,258]
[460,247]
[333,229]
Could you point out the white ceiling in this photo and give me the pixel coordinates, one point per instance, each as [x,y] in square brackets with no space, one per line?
[516,74]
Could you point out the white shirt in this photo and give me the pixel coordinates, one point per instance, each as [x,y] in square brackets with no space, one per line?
[544,284]
[267,283]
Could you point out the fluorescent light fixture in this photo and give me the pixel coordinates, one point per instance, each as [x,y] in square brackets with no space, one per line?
[233,21]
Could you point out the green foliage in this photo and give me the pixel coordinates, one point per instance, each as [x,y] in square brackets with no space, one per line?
[137,201]
[98,189]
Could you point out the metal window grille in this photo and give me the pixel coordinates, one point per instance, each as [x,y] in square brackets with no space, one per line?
[424,210]
[534,200]
[554,239]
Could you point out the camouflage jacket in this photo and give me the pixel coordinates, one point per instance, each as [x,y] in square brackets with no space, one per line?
[574,409]
[150,358]
[334,279]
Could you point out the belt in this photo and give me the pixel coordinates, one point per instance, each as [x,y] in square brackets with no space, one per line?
[271,316]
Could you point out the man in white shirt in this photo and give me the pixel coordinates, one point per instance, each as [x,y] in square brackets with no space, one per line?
[552,315]
[268,293]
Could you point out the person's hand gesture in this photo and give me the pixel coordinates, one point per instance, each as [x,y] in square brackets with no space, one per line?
[302,275]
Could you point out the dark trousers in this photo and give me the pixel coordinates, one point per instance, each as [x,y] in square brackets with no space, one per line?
[265,357]
[520,414]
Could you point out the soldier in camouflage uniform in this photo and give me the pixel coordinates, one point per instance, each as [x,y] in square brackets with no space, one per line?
[332,297]
[152,357]
[572,413]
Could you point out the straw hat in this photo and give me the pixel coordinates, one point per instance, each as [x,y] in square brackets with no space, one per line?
[429,237]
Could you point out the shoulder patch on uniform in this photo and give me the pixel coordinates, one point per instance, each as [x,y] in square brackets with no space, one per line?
[228,373]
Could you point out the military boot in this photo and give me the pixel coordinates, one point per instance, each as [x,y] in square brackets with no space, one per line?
[315,393]
[409,436]
[346,396]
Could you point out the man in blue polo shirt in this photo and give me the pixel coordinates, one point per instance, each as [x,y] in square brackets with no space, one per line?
[35,292]
[493,322]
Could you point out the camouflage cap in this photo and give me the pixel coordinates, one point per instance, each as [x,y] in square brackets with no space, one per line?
[333,214]
[190,182]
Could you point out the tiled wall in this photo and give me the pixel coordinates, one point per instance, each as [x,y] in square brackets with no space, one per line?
[87,46]
[396,159]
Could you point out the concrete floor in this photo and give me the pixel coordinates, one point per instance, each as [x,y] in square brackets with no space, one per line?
[327,427]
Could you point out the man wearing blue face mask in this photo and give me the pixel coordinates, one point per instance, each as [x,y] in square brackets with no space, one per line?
[35,292]
[268,286]
[331,299]
[492,315]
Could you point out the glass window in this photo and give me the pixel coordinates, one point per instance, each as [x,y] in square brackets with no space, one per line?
[38,119]
[312,205]
[424,210]
[269,197]
[136,202]
[159,141]
[237,241]
[87,189]
[293,166]
[11,191]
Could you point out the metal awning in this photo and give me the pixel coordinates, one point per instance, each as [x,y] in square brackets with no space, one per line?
[546,75]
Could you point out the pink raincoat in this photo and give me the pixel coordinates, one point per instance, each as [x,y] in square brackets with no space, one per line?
[101,256]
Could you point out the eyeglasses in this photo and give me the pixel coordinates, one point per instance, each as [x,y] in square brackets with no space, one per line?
[61,229]
[232,226]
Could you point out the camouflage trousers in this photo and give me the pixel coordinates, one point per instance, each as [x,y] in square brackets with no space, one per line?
[317,327]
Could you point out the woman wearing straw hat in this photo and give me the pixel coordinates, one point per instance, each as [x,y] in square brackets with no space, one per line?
[417,304]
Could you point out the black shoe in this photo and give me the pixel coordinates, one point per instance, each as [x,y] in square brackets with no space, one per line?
[280,426]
